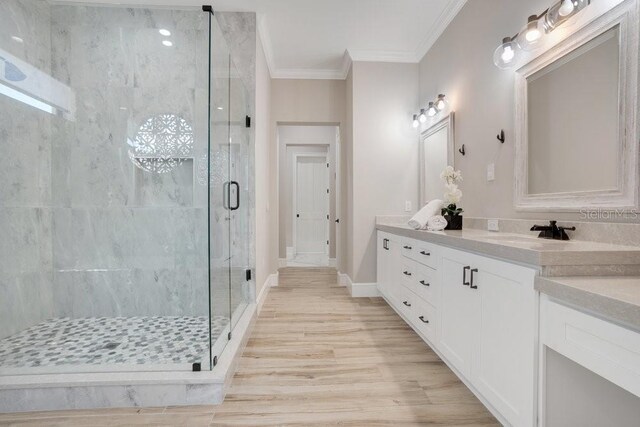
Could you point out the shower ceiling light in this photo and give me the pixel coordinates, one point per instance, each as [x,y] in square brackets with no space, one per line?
[167,43]
[164,32]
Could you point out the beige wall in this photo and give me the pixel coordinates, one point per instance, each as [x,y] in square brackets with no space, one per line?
[266,259]
[384,156]
[460,65]
[302,102]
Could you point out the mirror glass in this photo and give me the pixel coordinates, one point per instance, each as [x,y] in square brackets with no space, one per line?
[573,120]
[436,153]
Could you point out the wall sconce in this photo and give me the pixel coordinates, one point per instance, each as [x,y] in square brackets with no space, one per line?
[434,108]
[505,56]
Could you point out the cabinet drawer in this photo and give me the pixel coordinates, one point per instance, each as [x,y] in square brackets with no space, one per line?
[406,302]
[425,285]
[424,319]
[609,350]
[408,247]
[426,254]
[408,272]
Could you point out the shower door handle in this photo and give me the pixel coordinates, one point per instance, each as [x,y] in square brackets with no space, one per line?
[226,195]
[237,205]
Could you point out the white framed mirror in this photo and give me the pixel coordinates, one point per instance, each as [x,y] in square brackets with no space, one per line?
[576,119]
[436,153]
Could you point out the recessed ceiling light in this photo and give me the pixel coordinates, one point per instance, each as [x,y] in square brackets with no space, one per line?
[167,43]
[164,32]
[17,39]
[220,108]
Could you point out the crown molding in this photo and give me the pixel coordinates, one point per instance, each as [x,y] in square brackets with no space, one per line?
[351,56]
[438,28]
[382,56]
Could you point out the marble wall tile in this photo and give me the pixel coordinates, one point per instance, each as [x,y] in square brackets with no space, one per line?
[131,292]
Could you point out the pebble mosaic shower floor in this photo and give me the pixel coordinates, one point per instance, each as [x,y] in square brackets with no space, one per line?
[111,341]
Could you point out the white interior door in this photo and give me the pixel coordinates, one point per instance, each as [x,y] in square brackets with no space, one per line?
[312,207]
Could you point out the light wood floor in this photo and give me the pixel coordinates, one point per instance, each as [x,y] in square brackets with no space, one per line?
[316,357]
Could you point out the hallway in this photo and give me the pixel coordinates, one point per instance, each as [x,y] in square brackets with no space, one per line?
[317,357]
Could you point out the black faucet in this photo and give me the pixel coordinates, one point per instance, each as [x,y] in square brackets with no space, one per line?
[552,231]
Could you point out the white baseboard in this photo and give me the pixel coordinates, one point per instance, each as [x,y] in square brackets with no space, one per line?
[282,262]
[291,252]
[358,290]
[332,262]
[272,280]
[364,290]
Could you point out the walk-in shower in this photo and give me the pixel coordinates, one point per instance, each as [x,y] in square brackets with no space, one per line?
[126,189]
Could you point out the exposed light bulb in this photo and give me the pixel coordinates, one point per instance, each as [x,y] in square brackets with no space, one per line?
[423,116]
[416,123]
[533,35]
[164,32]
[167,43]
[432,111]
[566,8]
[440,104]
[508,54]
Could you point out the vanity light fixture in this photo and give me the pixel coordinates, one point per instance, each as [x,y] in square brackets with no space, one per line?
[432,109]
[423,116]
[506,55]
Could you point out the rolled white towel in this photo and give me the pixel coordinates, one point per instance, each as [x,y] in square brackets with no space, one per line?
[436,223]
[419,220]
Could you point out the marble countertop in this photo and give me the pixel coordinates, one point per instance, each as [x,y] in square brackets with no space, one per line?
[617,297]
[523,248]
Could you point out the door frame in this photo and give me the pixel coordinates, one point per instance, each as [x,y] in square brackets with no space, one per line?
[294,198]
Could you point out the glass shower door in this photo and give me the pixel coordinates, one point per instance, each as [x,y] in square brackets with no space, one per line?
[241,158]
[217,166]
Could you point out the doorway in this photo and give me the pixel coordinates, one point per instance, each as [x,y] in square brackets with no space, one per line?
[308,194]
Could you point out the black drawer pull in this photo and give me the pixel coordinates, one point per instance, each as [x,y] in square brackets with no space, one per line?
[475,270]
[425,253]
[423,319]
[408,247]
[406,303]
[464,275]
[406,273]
[423,283]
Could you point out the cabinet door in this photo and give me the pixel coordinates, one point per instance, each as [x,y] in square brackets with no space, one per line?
[457,308]
[503,368]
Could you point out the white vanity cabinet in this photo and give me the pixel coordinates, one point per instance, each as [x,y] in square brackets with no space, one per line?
[481,315]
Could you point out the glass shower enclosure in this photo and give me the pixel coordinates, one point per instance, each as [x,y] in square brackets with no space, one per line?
[126,186]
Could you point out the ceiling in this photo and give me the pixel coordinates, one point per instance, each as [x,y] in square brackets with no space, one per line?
[310,38]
